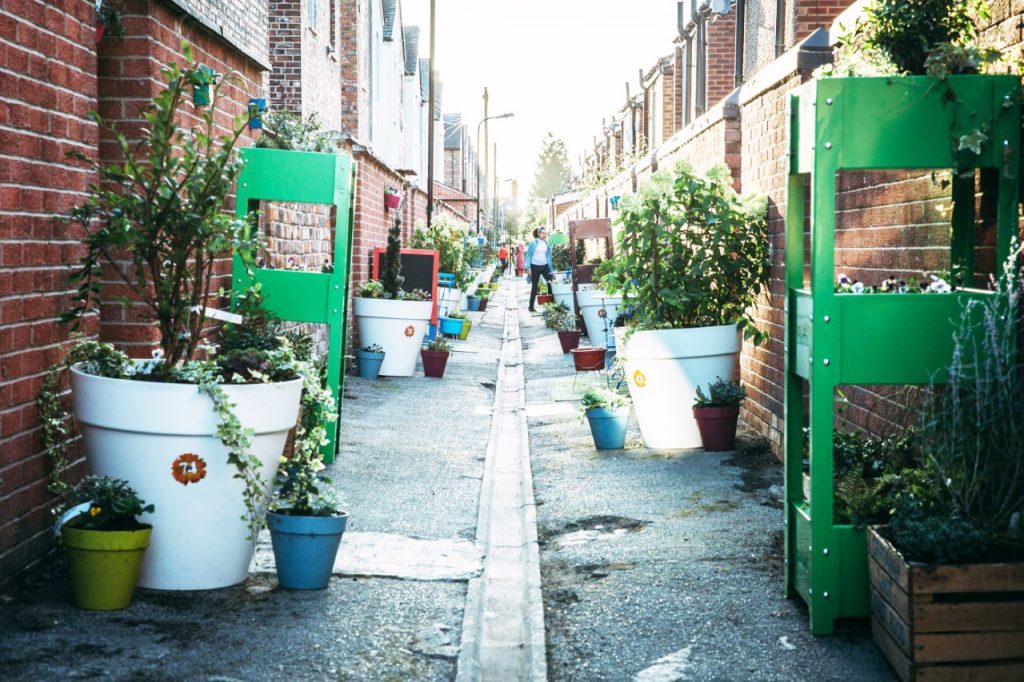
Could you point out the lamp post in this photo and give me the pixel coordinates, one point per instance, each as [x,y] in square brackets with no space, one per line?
[482,121]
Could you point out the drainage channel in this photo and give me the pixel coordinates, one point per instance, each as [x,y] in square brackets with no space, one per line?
[503,627]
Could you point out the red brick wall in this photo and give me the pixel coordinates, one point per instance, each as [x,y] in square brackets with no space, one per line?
[286,55]
[814,14]
[47,86]
[129,76]
[721,75]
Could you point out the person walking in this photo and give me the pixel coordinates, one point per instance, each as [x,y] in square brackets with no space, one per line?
[538,255]
[503,257]
[520,259]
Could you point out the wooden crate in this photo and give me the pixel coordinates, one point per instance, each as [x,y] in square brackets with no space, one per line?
[958,622]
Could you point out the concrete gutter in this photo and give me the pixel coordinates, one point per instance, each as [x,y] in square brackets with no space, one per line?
[503,628]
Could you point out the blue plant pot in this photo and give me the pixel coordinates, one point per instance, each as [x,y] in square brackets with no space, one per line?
[369,363]
[474,303]
[451,325]
[608,427]
[304,548]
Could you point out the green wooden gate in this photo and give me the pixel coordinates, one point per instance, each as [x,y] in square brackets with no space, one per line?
[832,339]
[322,298]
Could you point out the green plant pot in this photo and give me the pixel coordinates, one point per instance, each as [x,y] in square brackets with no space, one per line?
[466,324]
[104,565]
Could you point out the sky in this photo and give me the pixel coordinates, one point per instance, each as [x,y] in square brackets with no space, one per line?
[558,65]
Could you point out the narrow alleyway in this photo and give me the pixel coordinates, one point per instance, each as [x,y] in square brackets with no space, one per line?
[651,565]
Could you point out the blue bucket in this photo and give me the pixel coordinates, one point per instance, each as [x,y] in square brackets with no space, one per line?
[474,303]
[369,363]
[608,427]
[304,548]
[451,325]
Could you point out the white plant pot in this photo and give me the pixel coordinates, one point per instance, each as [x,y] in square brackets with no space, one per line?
[397,327]
[664,369]
[159,437]
[599,310]
[562,291]
[448,300]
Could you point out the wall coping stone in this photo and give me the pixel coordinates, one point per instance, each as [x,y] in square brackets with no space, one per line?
[807,55]
[211,25]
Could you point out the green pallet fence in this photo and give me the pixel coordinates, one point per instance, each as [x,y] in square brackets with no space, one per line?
[322,298]
[912,122]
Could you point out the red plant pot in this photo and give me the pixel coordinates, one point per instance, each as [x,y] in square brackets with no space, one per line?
[544,299]
[588,359]
[392,201]
[717,427]
[483,304]
[434,362]
[569,340]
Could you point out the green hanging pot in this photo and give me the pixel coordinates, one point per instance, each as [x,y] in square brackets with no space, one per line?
[104,565]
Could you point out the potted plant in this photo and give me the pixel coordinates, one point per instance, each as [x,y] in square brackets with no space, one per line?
[450,325]
[691,259]
[305,519]
[391,318]
[370,358]
[435,357]
[483,301]
[474,302]
[466,323]
[588,358]
[104,542]
[197,437]
[608,414]
[443,237]
[563,321]
[392,198]
[947,572]
[717,412]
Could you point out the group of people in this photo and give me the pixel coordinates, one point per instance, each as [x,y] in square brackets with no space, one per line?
[537,255]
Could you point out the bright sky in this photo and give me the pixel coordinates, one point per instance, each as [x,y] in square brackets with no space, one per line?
[559,65]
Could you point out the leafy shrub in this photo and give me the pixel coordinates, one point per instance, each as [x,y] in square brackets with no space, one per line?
[559,318]
[284,130]
[114,504]
[721,393]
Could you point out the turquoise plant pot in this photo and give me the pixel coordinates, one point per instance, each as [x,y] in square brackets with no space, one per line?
[369,363]
[304,548]
[608,427]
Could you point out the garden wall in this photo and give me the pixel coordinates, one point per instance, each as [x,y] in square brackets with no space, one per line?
[47,88]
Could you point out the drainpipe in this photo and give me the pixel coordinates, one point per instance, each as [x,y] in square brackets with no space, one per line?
[780,27]
[741,20]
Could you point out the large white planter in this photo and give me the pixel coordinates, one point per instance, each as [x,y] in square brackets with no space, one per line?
[599,310]
[562,291]
[664,369]
[448,300]
[160,438]
[397,327]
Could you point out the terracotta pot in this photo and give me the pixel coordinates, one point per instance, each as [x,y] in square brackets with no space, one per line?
[717,427]
[544,299]
[569,340]
[588,359]
[434,362]
[483,304]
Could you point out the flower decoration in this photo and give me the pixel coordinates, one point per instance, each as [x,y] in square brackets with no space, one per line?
[929,283]
[639,378]
[188,468]
[409,331]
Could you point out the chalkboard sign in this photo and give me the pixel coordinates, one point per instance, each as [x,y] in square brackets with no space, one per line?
[419,270]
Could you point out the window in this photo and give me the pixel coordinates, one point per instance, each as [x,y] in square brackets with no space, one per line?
[311,13]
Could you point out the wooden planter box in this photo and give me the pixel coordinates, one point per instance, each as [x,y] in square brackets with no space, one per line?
[956,622]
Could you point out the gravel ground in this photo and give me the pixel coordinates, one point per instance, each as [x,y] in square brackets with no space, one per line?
[665,565]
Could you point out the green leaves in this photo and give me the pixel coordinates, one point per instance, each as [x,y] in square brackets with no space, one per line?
[691,252]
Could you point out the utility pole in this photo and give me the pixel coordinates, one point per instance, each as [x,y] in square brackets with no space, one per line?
[495,186]
[430,125]
[486,166]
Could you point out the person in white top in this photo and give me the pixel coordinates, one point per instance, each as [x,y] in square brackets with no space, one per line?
[538,255]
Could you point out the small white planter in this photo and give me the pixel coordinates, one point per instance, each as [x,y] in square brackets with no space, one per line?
[160,438]
[664,369]
[599,310]
[397,327]
[448,300]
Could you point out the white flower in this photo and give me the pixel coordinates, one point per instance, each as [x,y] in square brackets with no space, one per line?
[857,288]
[939,286]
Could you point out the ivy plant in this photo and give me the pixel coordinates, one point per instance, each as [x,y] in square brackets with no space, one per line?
[690,252]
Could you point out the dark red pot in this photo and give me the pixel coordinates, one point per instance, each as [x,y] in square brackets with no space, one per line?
[544,299]
[588,359]
[483,304]
[569,340]
[392,201]
[717,427]
[434,362]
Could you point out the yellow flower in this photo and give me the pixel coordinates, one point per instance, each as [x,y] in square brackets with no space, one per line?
[93,511]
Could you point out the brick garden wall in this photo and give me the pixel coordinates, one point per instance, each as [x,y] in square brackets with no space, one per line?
[47,87]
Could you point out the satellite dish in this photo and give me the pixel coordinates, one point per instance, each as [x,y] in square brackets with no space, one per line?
[721,7]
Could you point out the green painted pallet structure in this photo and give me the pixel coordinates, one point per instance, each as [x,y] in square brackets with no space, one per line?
[843,339]
[321,298]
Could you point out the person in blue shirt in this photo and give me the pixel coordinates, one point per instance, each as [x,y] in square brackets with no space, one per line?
[538,257]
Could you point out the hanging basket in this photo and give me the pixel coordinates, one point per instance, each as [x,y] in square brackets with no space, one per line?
[392,201]
[588,359]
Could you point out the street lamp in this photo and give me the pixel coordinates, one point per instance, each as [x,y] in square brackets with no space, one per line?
[484,120]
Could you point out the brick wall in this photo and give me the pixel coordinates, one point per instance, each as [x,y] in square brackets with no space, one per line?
[354,62]
[321,69]
[814,14]
[241,24]
[47,87]
[128,77]
[721,75]
[285,36]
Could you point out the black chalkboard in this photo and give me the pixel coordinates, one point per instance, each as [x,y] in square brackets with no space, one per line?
[419,271]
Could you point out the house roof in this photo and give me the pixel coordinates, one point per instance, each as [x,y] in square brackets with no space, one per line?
[453,131]
[411,37]
[389,7]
